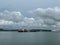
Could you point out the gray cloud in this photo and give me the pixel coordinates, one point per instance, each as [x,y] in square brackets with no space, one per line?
[49,16]
[14,20]
[44,18]
[11,16]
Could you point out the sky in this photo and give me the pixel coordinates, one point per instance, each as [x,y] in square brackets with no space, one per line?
[16,14]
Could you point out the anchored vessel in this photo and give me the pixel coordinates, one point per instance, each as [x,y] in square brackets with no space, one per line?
[33,30]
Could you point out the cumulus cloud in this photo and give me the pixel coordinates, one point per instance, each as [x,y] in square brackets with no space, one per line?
[7,24]
[11,16]
[14,20]
[10,19]
[49,16]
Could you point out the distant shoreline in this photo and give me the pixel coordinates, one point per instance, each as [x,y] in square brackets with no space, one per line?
[8,30]
[31,30]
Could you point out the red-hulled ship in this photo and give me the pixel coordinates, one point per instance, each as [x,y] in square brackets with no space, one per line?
[23,30]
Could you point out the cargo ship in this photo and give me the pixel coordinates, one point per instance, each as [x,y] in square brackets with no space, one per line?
[33,30]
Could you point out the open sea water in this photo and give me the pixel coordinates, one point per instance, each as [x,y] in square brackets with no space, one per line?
[29,38]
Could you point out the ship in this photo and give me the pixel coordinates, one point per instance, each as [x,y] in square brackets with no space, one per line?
[33,30]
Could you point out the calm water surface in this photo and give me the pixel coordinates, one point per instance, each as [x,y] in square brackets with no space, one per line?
[30,38]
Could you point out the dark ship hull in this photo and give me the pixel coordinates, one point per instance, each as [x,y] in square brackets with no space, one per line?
[33,30]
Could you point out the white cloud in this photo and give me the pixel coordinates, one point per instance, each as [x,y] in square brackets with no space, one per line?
[7,24]
[49,16]
[3,22]
[11,16]
[10,19]
[44,18]
[14,20]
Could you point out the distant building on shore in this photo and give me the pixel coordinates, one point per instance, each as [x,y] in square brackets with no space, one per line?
[55,30]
